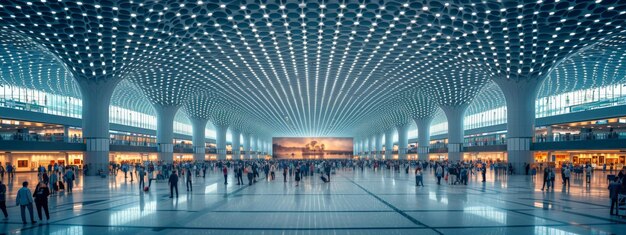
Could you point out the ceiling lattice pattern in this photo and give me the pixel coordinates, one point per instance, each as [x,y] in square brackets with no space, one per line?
[308,68]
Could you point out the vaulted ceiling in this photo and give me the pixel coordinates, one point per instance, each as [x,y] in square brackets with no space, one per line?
[308,68]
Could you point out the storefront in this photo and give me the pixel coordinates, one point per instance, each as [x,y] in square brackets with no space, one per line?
[30,161]
[119,157]
[438,156]
[485,156]
[598,159]
[559,158]
[183,157]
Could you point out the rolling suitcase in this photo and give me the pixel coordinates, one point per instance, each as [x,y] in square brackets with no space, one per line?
[324,179]
[61,186]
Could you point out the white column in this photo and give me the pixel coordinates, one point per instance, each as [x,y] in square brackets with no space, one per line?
[165,131]
[236,143]
[220,141]
[198,138]
[520,101]
[96,97]
[372,146]
[423,137]
[389,143]
[66,134]
[246,145]
[379,144]
[253,145]
[403,140]
[455,115]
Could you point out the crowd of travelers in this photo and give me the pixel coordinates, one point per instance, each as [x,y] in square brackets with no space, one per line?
[57,179]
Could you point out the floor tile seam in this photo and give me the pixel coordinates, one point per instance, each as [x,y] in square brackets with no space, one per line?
[104,201]
[519,226]
[238,228]
[555,202]
[544,218]
[213,206]
[402,213]
[308,211]
[74,217]
[317,229]
[568,212]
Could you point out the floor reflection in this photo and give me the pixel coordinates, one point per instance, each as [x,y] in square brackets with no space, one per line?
[354,202]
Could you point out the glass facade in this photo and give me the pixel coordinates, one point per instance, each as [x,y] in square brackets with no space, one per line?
[569,102]
[33,100]
[39,101]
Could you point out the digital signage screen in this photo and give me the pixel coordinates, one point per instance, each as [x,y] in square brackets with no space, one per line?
[312,147]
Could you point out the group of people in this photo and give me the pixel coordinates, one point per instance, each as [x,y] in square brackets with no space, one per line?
[566,172]
[9,170]
[54,178]
[48,184]
[25,200]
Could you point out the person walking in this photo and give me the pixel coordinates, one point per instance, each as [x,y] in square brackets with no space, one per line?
[566,177]
[53,183]
[140,177]
[614,189]
[297,175]
[9,171]
[41,200]
[225,171]
[272,171]
[69,178]
[24,199]
[239,174]
[188,181]
[285,170]
[3,200]
[327,170]
[249,172]
[588,171]
[255,170]
[173,181]
[439,173]
[418,177]
[125,170]
[484,172]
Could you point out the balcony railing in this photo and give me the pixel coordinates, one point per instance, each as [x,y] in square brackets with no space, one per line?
[580,137]
[38,138]
[132,143]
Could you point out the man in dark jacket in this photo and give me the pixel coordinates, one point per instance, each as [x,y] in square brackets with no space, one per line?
[173,184]
[614,189]
[327,170]
[3,200]
[239,174]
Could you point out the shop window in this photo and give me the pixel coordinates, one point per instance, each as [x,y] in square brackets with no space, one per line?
[22,163]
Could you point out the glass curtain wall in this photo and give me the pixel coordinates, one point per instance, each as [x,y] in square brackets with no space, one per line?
[32,100]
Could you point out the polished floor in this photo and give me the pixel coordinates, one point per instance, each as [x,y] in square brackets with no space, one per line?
[367,202]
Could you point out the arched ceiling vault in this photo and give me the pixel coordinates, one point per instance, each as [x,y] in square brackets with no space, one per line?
[316,68]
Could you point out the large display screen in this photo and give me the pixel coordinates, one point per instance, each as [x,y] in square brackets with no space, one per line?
[312,147]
